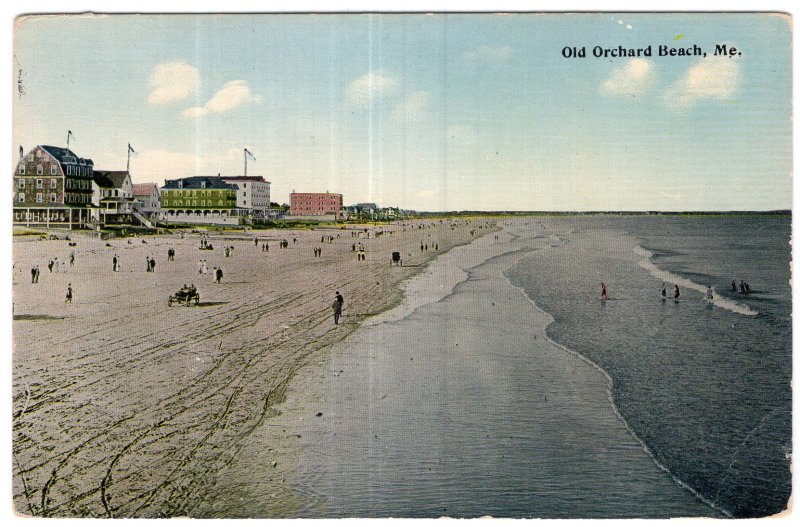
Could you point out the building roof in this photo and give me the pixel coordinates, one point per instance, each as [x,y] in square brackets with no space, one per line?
[255,179]
[145,189]
[110,178]
[199,182]
[65,155]
[315,194]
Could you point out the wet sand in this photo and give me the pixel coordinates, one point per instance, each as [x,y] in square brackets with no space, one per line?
[455,404]
[126,407]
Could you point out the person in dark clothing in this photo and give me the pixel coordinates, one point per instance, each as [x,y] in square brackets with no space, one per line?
[338,304]
[69,294]
[677,292]
[218,275]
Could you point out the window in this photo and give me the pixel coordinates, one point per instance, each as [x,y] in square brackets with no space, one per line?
[53,183]
[38,183]
[21,169]
[38,197]
[53,170]
[52,197]
[21,183]
[21,197]
[39,170]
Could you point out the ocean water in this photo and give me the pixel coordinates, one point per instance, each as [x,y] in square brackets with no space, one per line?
[707,387]
[514,391]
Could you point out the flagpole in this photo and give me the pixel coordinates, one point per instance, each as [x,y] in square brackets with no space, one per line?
[128,167]
[69,133]
[245,162]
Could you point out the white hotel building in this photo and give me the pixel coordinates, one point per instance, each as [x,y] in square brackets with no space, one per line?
[252,194]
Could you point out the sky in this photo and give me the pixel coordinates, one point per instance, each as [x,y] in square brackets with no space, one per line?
[425,112]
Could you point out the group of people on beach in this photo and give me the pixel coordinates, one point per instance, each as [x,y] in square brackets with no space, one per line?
[151,264]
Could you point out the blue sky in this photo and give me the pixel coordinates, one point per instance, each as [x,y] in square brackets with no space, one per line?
[428,112]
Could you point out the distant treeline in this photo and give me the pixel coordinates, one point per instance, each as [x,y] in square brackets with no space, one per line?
[604,213]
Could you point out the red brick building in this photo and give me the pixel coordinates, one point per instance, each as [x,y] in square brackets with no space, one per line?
[315,204]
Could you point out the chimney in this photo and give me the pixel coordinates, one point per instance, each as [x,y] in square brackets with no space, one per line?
[21,153]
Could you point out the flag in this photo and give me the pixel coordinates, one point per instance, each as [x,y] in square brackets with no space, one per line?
[249,154]
[130,149]
[70,134]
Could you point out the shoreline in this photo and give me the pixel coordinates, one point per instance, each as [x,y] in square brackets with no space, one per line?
[310,393]
[617,412]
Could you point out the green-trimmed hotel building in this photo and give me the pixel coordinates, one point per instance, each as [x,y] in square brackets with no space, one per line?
[204,198]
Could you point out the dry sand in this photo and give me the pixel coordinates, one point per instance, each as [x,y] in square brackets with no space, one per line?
[125,407]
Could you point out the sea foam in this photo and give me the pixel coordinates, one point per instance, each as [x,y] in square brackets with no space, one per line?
[666,276]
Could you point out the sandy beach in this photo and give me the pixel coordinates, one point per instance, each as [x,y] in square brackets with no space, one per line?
[126,407]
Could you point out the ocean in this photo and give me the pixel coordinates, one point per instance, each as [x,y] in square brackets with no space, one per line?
[510,389]
[706,388]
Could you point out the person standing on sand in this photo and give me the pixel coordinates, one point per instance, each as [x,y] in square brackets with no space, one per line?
[72,259]
[603,292]
[218,275]
[677,292]
[114,263]
[709,293]
[33,275]
[69,295]
[338,304]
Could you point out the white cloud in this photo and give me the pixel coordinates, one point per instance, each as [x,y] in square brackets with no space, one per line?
[715,77]
[413,106]
[634,78]
[232,95]
[372,85]
[172,81]
[489,54]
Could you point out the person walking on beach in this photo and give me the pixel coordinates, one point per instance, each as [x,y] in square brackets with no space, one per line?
[218,275]
[72,259]
[50,266]
[69,295]
[33,275]
[338,304]
[114,262]
[603,291]
[677,292]
[709,294]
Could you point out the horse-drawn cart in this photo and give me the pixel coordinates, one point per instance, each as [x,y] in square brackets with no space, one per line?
[185,295]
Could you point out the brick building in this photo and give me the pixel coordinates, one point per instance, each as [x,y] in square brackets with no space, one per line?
[315,204]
